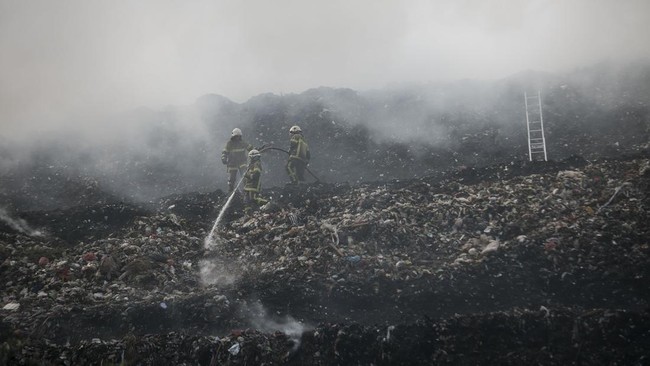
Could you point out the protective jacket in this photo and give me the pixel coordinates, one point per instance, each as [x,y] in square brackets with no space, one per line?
[234,155]
[299,149]
[252,180]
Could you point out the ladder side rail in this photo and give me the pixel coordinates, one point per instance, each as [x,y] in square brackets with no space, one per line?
[541,122]
[530,154]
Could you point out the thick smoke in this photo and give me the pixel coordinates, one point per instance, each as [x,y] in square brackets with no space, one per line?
[83,58]
[399,132]
[68,74]
[137,156]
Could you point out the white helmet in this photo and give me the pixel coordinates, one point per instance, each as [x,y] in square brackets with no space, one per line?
[236,132]
[254,154]
[295,129]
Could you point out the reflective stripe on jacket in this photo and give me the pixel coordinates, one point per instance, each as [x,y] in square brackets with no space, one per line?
[299,149]
[253,183]
[235,154]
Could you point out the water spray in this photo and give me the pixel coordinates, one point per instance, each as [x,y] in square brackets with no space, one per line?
[209,240]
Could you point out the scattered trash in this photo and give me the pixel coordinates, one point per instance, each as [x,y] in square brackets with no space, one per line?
[11,306]
[551,244]
[234,349]
[89,257]
[616,191]
[492,246]
[353,258]
[420,243]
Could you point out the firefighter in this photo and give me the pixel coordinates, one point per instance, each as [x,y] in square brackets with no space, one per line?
[234,156]
[298,155]
[253,181]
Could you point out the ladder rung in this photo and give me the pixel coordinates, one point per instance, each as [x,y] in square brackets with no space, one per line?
[536,141]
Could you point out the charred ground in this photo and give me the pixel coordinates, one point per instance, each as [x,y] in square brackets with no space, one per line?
[514,263]
[432,243]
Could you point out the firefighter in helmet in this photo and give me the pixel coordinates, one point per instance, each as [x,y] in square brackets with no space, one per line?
[253,181]
[234,156]
[299,155]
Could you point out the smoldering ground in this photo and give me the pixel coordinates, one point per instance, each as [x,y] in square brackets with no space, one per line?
[17,223]
[75,162]
[70,72]
[417,277]
[355,136]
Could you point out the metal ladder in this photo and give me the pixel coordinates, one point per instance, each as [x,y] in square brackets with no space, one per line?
[535,126]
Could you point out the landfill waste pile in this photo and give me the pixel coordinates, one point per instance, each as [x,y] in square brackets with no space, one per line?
[396,132]
[518,263]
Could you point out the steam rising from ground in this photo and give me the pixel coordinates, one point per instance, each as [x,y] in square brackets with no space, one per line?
[18,224]
[214,271]
[264,322]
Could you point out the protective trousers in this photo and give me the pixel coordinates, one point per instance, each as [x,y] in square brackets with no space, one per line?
[296,170]
[252,201]
[232,179]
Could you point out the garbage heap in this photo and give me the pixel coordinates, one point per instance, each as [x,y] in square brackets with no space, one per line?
[515,263]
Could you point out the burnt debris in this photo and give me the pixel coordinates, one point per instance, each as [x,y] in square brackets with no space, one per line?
[512,263]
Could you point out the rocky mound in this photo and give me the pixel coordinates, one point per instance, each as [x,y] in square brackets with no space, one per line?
[514,263]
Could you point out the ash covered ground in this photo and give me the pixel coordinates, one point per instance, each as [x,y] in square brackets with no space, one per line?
[517,263]
[430,240]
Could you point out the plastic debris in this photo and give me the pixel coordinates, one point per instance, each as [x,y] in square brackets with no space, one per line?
[419,263]
[11,306]
[43,261]
[234,349]
[353,258]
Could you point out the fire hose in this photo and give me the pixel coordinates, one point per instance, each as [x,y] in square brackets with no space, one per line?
[264,148]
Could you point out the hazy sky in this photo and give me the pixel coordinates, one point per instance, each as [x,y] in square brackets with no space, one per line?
[68,59]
